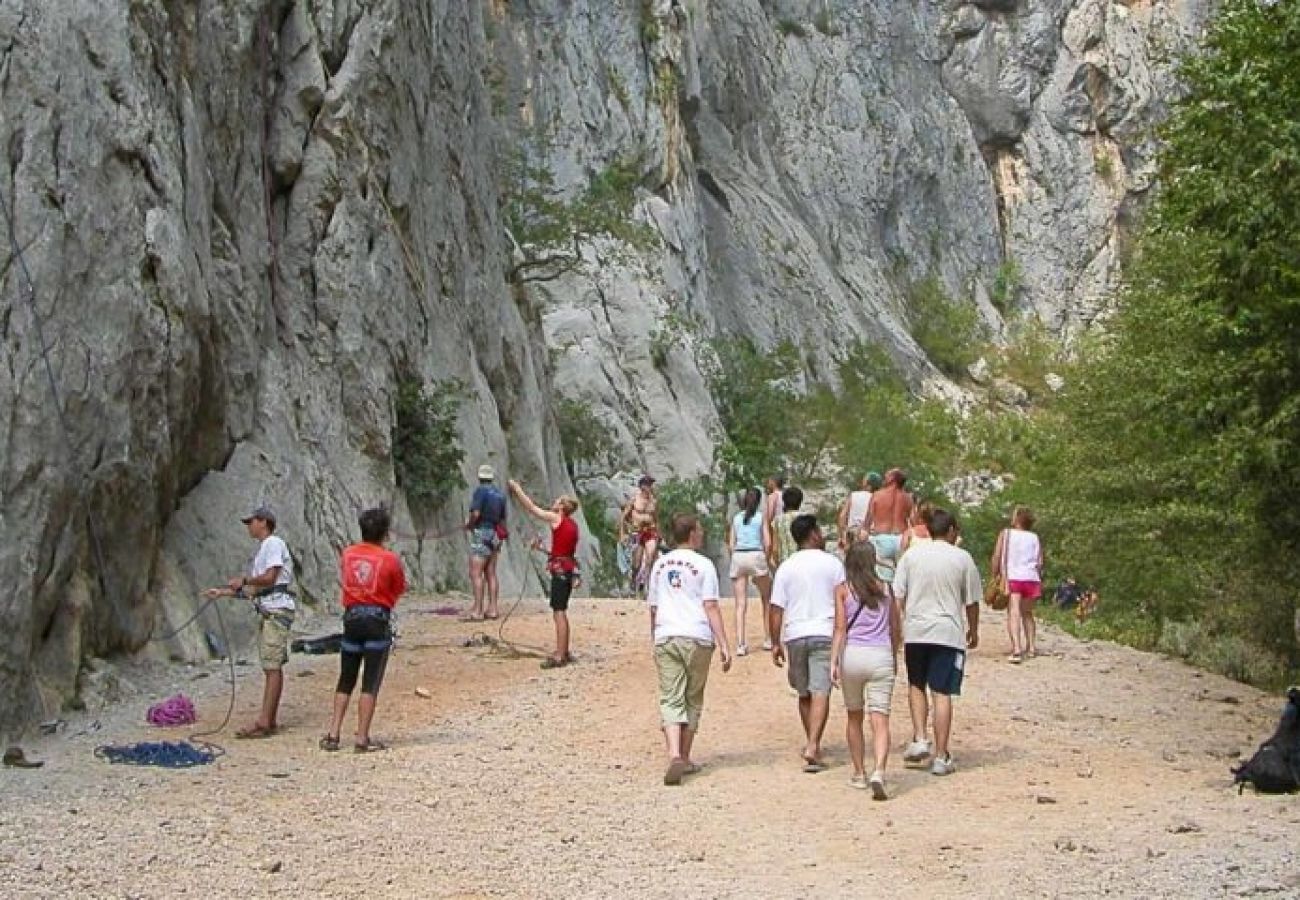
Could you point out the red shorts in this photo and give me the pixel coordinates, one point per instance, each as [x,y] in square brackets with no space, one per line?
[646,535]
[1028,590]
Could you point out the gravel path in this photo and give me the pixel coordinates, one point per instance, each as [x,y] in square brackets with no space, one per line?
[1092,771]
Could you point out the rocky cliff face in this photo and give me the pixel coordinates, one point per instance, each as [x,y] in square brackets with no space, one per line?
[247,220]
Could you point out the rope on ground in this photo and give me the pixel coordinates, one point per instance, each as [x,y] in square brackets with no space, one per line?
[500,644]
[163,754]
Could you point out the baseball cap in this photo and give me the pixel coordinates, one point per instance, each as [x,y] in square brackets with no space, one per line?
[646,480]
[486,473]
[265,513]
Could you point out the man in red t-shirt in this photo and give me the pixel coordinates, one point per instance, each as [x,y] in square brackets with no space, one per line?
[373,580]
[561,562]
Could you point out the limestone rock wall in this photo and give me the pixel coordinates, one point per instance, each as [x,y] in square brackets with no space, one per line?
[242,219]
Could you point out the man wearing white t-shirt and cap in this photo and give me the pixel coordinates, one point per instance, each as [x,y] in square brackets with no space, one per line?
[269,585]
[686,624]
[803,614]
[938,588]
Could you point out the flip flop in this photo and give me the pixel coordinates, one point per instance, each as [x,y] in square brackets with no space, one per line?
[329,743]
[254,732]
[470,619]
[552,663]
[813,766]
[14,758]
[370,746]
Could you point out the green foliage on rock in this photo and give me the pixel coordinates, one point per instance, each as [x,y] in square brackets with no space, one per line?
[946,328]
[426,444]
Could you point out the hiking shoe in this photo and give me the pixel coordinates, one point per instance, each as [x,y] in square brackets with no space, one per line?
[877,783]
[859,782]
[943,765]
[742,649]
[676,769]
[916,751]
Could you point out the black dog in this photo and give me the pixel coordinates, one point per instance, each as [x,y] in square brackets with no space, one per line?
[1275,767]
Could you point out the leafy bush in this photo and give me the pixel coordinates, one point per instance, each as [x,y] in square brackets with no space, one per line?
[1006,286]
[585,439]
[948,330]
[603,532]
[426,444]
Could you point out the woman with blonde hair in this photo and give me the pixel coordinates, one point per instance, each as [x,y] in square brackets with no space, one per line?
[1018,557]
[868,634]
[561,563]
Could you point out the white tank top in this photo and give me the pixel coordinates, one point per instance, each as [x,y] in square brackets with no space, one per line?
[1022,556]
[858,503]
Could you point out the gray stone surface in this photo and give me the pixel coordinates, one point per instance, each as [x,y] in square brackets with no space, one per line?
[244,217]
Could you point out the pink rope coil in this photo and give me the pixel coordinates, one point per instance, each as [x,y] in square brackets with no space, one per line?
[178,710]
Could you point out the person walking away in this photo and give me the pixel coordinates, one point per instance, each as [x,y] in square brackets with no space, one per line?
[803,614]
[373,580]
[686,624]
[269,584]
[773,504]
[852,519]
[561,563]
[864,652]
[890,509]
[747,541]
[487,529]
[781,543]
[641,518]
[1018,556]
[935,583]
[918,527]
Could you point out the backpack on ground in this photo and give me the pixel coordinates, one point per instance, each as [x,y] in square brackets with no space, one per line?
[1275,767]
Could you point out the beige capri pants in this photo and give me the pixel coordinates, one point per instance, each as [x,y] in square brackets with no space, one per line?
[867,677]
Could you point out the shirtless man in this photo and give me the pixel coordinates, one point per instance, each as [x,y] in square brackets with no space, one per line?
[889,512]
[641,518]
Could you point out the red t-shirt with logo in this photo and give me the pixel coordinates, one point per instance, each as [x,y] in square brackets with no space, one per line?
[564,546]
[371,576]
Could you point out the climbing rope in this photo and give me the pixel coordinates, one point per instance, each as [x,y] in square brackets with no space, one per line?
[163,754]
[177,710]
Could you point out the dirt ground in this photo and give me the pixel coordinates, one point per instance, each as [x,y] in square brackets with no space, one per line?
[1092,771]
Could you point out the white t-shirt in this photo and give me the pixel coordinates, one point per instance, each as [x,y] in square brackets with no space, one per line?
[273,552]
[1022,549]
[859,502]
[936,581]
[805,588]
[680,583]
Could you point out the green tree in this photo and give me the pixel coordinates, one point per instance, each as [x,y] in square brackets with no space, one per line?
[1175,477]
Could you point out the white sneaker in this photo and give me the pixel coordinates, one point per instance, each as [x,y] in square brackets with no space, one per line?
[943,765]
[877,783]
[916,751]
[767,645]
[742,649]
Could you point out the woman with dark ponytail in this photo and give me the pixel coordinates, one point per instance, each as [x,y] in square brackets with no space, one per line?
[868,634]
[747,540]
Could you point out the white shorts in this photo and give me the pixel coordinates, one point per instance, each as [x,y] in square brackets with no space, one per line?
[867,677]
[748,563]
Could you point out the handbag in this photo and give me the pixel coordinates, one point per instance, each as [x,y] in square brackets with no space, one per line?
[996,595]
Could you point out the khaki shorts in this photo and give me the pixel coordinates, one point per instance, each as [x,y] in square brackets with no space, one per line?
[748,564]
[273,640]
[808,665]
[683,666]
[867,676]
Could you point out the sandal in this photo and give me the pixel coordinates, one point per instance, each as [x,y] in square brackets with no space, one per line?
[253,732]
[329,743]
[552,663]
[370,746]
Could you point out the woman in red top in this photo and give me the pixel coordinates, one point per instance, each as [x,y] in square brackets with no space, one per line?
[561,562]
[373,580]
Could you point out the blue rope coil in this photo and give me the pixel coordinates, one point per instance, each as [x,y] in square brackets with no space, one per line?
[163,754]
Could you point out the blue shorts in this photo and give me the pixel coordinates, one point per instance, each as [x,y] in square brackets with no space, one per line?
[935,666]
[483,541]
[887,551]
